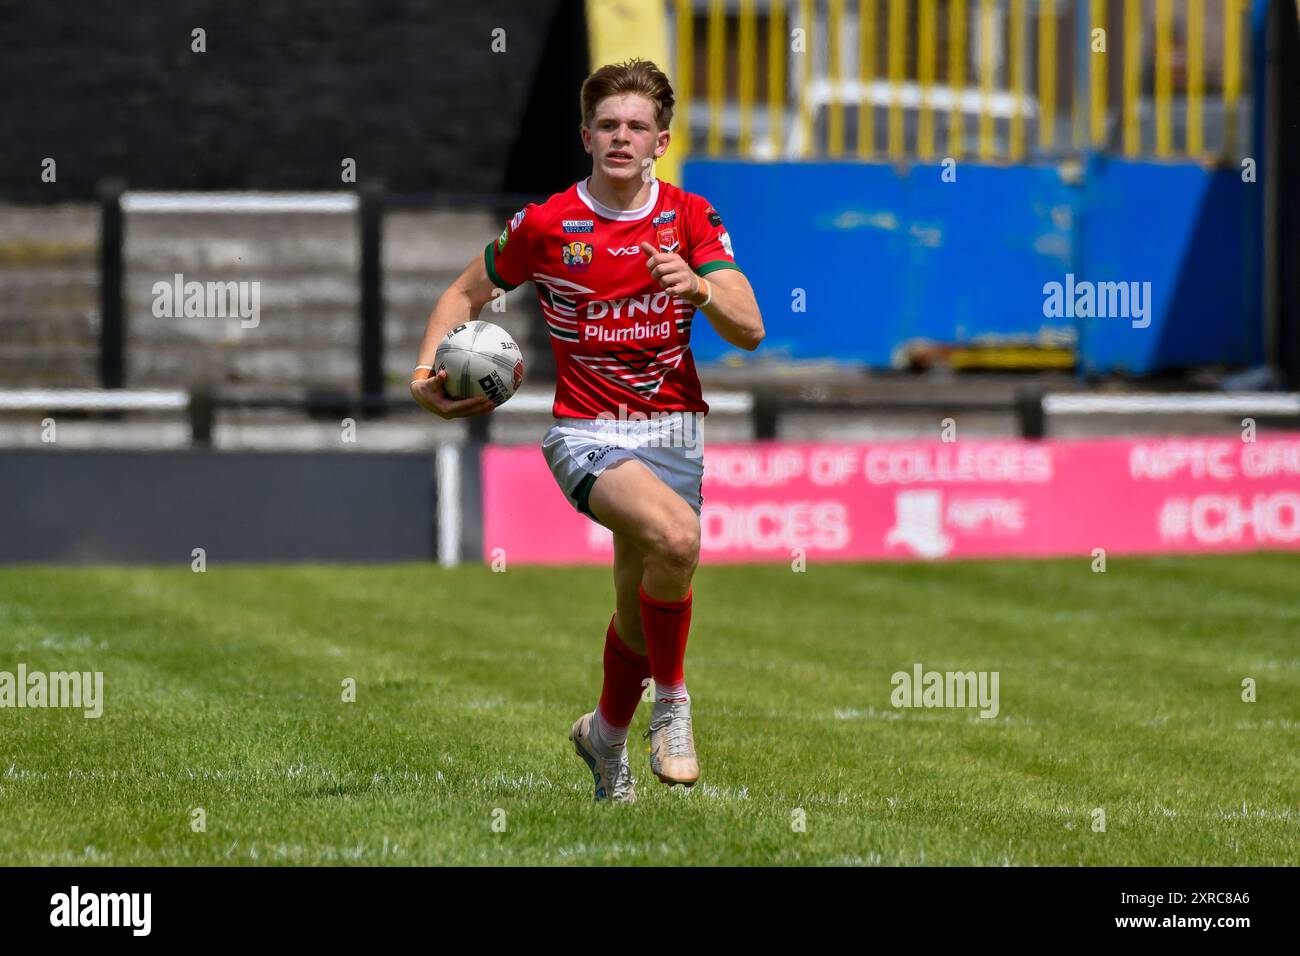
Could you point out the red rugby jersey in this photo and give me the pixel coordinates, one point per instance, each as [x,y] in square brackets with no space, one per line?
[618,338]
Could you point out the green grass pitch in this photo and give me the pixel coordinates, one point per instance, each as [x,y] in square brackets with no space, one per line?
[223,691]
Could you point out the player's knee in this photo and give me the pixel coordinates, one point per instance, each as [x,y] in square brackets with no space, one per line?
[677,545]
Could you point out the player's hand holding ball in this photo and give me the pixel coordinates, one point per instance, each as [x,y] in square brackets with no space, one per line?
[429,392]
[478,367]
[672,273]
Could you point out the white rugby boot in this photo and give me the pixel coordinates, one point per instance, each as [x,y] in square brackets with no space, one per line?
[672,743]
[610,768]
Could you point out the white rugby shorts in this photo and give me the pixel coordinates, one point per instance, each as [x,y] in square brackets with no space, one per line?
[670,444]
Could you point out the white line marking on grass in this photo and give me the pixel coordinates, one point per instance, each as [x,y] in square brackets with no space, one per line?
[871,859]
[615,849]
[82,642]
[1276,665]
[529,781]
[1261,813]
[484,703]
[722,793]
[1267,725]
[872,714]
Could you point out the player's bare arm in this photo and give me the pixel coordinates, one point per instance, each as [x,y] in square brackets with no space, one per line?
[726,296]
[461,303]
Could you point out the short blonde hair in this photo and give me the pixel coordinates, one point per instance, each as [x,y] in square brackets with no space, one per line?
[632,76]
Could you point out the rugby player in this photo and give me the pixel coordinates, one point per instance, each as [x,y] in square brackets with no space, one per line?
[621,262]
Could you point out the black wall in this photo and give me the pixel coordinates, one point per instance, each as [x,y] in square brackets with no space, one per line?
[408,88]
[93,507]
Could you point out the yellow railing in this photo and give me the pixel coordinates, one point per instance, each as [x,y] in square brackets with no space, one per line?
[866,70]
[835,120]
[776,34]
[1017,56]
[1132,76]
[1021,76]
[1097,72]
[747,77]
[956,71]
[925,76]
[1231,69]
[1047,66]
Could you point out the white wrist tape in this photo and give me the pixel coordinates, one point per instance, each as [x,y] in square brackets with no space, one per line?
[708,298]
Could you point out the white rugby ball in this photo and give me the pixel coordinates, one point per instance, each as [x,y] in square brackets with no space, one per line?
[480,359]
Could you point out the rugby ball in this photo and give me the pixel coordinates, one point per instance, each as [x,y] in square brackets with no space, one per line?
[480,359]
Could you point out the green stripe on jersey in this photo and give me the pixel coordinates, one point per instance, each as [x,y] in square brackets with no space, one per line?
[714,266]
[488,256]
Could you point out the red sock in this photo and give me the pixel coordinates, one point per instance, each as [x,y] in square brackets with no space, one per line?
[624,671]
[666,624]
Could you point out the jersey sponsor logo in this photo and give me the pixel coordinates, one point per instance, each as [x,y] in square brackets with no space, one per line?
[714,218]
[502,239]
[519,217]
[651,303]
[628,333]
[725,239]
[579,225]
[625,251]
[667,237]
[665,217]
[577,255]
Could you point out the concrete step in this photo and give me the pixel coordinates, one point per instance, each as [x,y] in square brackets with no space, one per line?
[71,367]
[306,267]
[50,329]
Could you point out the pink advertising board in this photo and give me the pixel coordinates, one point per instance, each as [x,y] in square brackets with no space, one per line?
[931,500]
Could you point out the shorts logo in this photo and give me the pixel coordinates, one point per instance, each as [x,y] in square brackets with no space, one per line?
[665,217]
[577,255]
[594,457]
[667,237]
[579,225]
